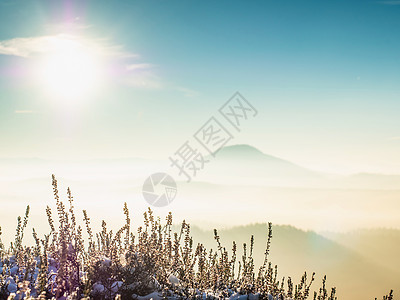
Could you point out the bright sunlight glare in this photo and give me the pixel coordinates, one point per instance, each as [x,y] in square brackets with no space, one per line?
[71,73]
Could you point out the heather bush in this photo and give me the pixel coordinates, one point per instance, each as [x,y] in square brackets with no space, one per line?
[154,262]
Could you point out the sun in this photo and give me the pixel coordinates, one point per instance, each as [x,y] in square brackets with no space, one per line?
[71,73]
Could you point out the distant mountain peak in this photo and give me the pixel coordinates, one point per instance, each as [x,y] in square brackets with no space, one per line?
[247,152]
[246,159]
[240,149]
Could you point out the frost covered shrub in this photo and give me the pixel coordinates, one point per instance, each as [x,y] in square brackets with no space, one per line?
[153,263]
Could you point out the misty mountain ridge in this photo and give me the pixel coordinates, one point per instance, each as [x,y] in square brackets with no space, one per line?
[350,268]
[245,164]
[236,164]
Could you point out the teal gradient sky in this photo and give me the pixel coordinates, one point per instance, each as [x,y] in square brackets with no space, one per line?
[324,76]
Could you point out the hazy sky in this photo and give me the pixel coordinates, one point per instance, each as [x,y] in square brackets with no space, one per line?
[324,76]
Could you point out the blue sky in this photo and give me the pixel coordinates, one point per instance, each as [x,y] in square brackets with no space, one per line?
[324,76]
